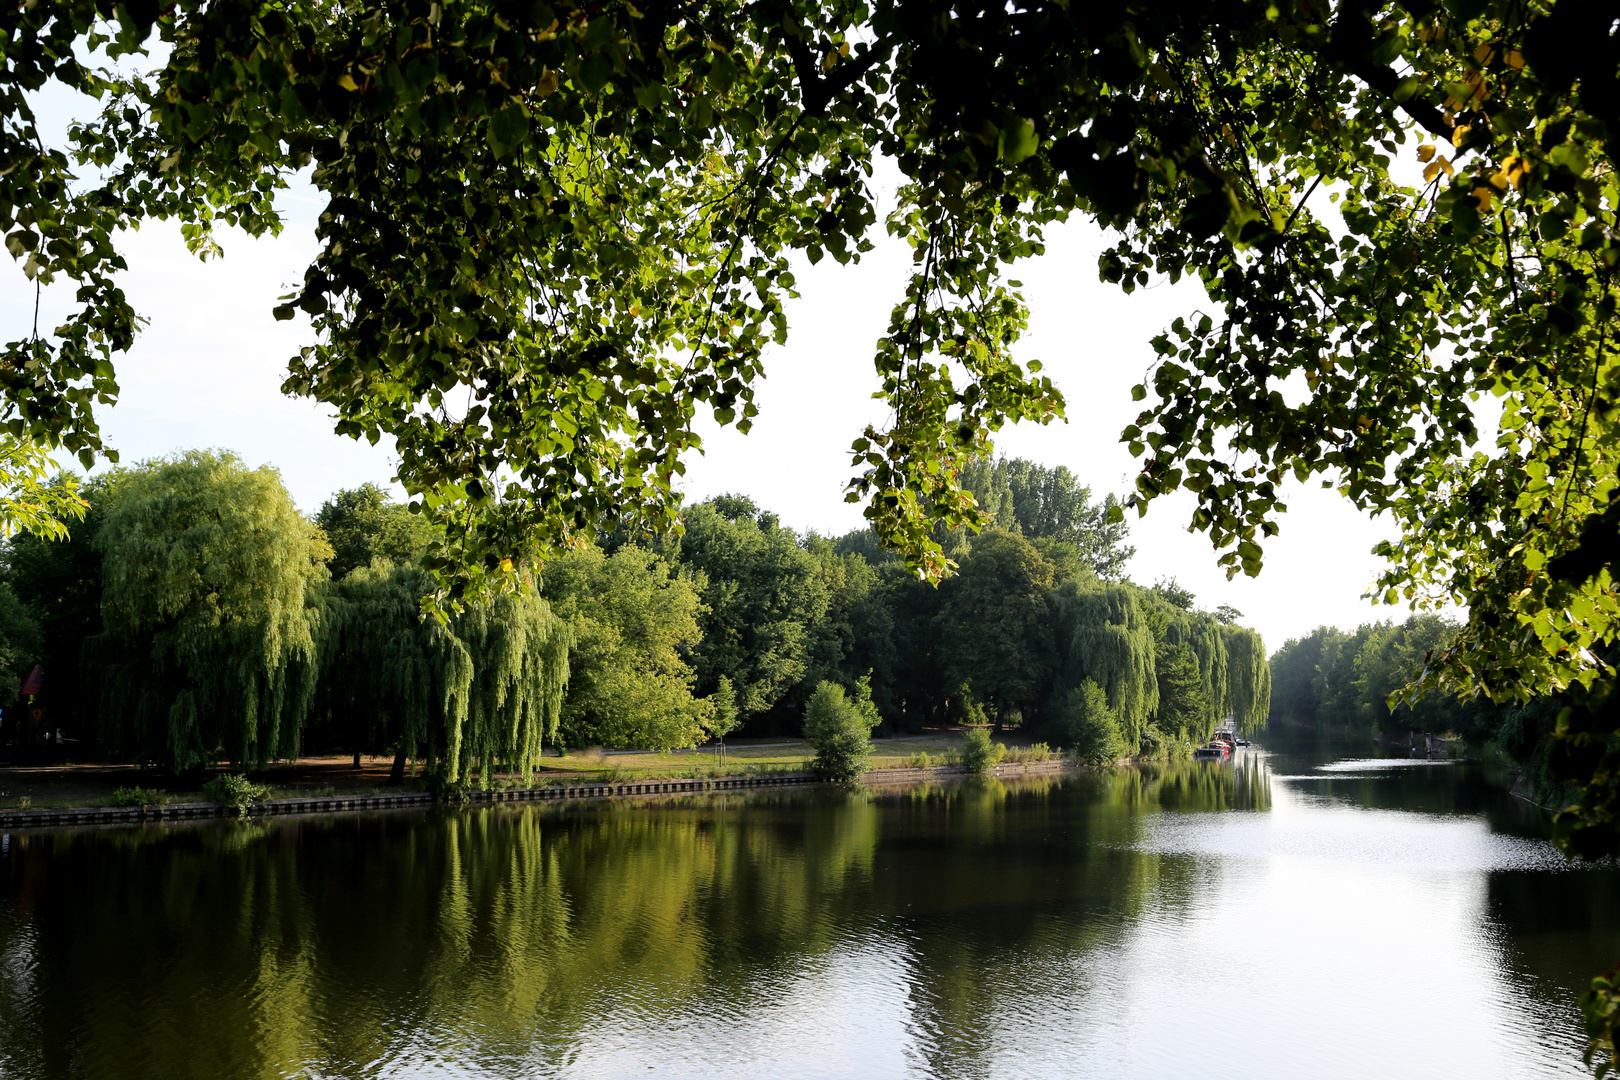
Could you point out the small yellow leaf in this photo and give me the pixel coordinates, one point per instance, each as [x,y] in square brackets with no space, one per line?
[348,83]
[1426,152]
[1445,163]
[1459,135]
[1430,171]
[1485,197]
[1513,59]
[506,565]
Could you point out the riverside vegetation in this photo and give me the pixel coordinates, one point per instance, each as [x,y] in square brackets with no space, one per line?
[193,617]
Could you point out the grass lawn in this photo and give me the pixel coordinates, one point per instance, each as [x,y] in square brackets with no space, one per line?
[42,787]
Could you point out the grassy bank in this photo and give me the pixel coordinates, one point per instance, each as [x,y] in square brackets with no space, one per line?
[67,786]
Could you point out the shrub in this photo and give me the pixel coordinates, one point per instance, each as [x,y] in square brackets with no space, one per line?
[921,760]
[840,730]
[619,774]
[979,754]
[1086,724]
[1039,752]
[235,791]
[134,796]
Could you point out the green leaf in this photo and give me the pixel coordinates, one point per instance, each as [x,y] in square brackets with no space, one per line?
[1017,142]
[507,130]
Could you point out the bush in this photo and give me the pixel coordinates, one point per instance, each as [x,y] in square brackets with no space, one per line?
[979,754]
[1086,724]
[840,730]
[921,760]
[134,796]
[235,791]
[1039,752]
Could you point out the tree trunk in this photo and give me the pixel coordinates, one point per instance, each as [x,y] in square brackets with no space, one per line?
[357,759]
[396,775]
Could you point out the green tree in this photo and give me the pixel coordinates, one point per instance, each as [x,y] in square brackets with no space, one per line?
[1051,508]
[995,625]
[209,641]
[763,597]
[364,524]
[634,623]
[1111,645]
[59,582]
[1184,711]
[387,676]
[856,635]
[20,644]
[840,730]
[1248,686]
[1084,722]
[723,716]
[475,693]
[979,753]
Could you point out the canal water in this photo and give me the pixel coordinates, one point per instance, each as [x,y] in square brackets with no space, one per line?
[1306,911]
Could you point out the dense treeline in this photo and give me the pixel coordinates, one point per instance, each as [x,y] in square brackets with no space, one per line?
[194,615]
[1343,681]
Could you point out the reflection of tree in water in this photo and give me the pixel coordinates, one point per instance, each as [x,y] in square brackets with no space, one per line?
[1184,786]
[493,935]
[1015,897]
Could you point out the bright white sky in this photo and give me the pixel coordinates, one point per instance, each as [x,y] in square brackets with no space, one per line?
[207,373]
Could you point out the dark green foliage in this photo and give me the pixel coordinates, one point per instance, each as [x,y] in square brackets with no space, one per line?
[979,753]
[1248,684]
[764,600]
[20,644]
[1083,722]
[209,641]
[364,524]
[1600,1007]
[996,625]
[1173,593]
[59,583]
[1184,712]
[479,692]
[840,729]
[856,635]
[1330,678]
[1111,645]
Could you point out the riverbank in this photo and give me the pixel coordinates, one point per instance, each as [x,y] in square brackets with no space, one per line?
[96,786]
[155,813]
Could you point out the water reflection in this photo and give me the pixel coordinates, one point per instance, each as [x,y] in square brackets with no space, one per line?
[1322,921]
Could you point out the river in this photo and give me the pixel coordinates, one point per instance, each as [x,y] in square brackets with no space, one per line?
[1308,911]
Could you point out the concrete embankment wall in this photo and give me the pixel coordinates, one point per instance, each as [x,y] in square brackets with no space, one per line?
[104,815]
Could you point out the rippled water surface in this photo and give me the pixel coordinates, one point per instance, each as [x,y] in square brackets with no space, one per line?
[1303,912]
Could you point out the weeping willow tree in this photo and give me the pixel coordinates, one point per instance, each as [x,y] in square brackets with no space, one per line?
[1248,678]
[389,678]
[1110,643]
[209,641]
[519,652]
[477,694]
[1201,633]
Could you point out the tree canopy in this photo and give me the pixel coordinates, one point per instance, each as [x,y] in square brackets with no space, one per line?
[208,638]
[364,524]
